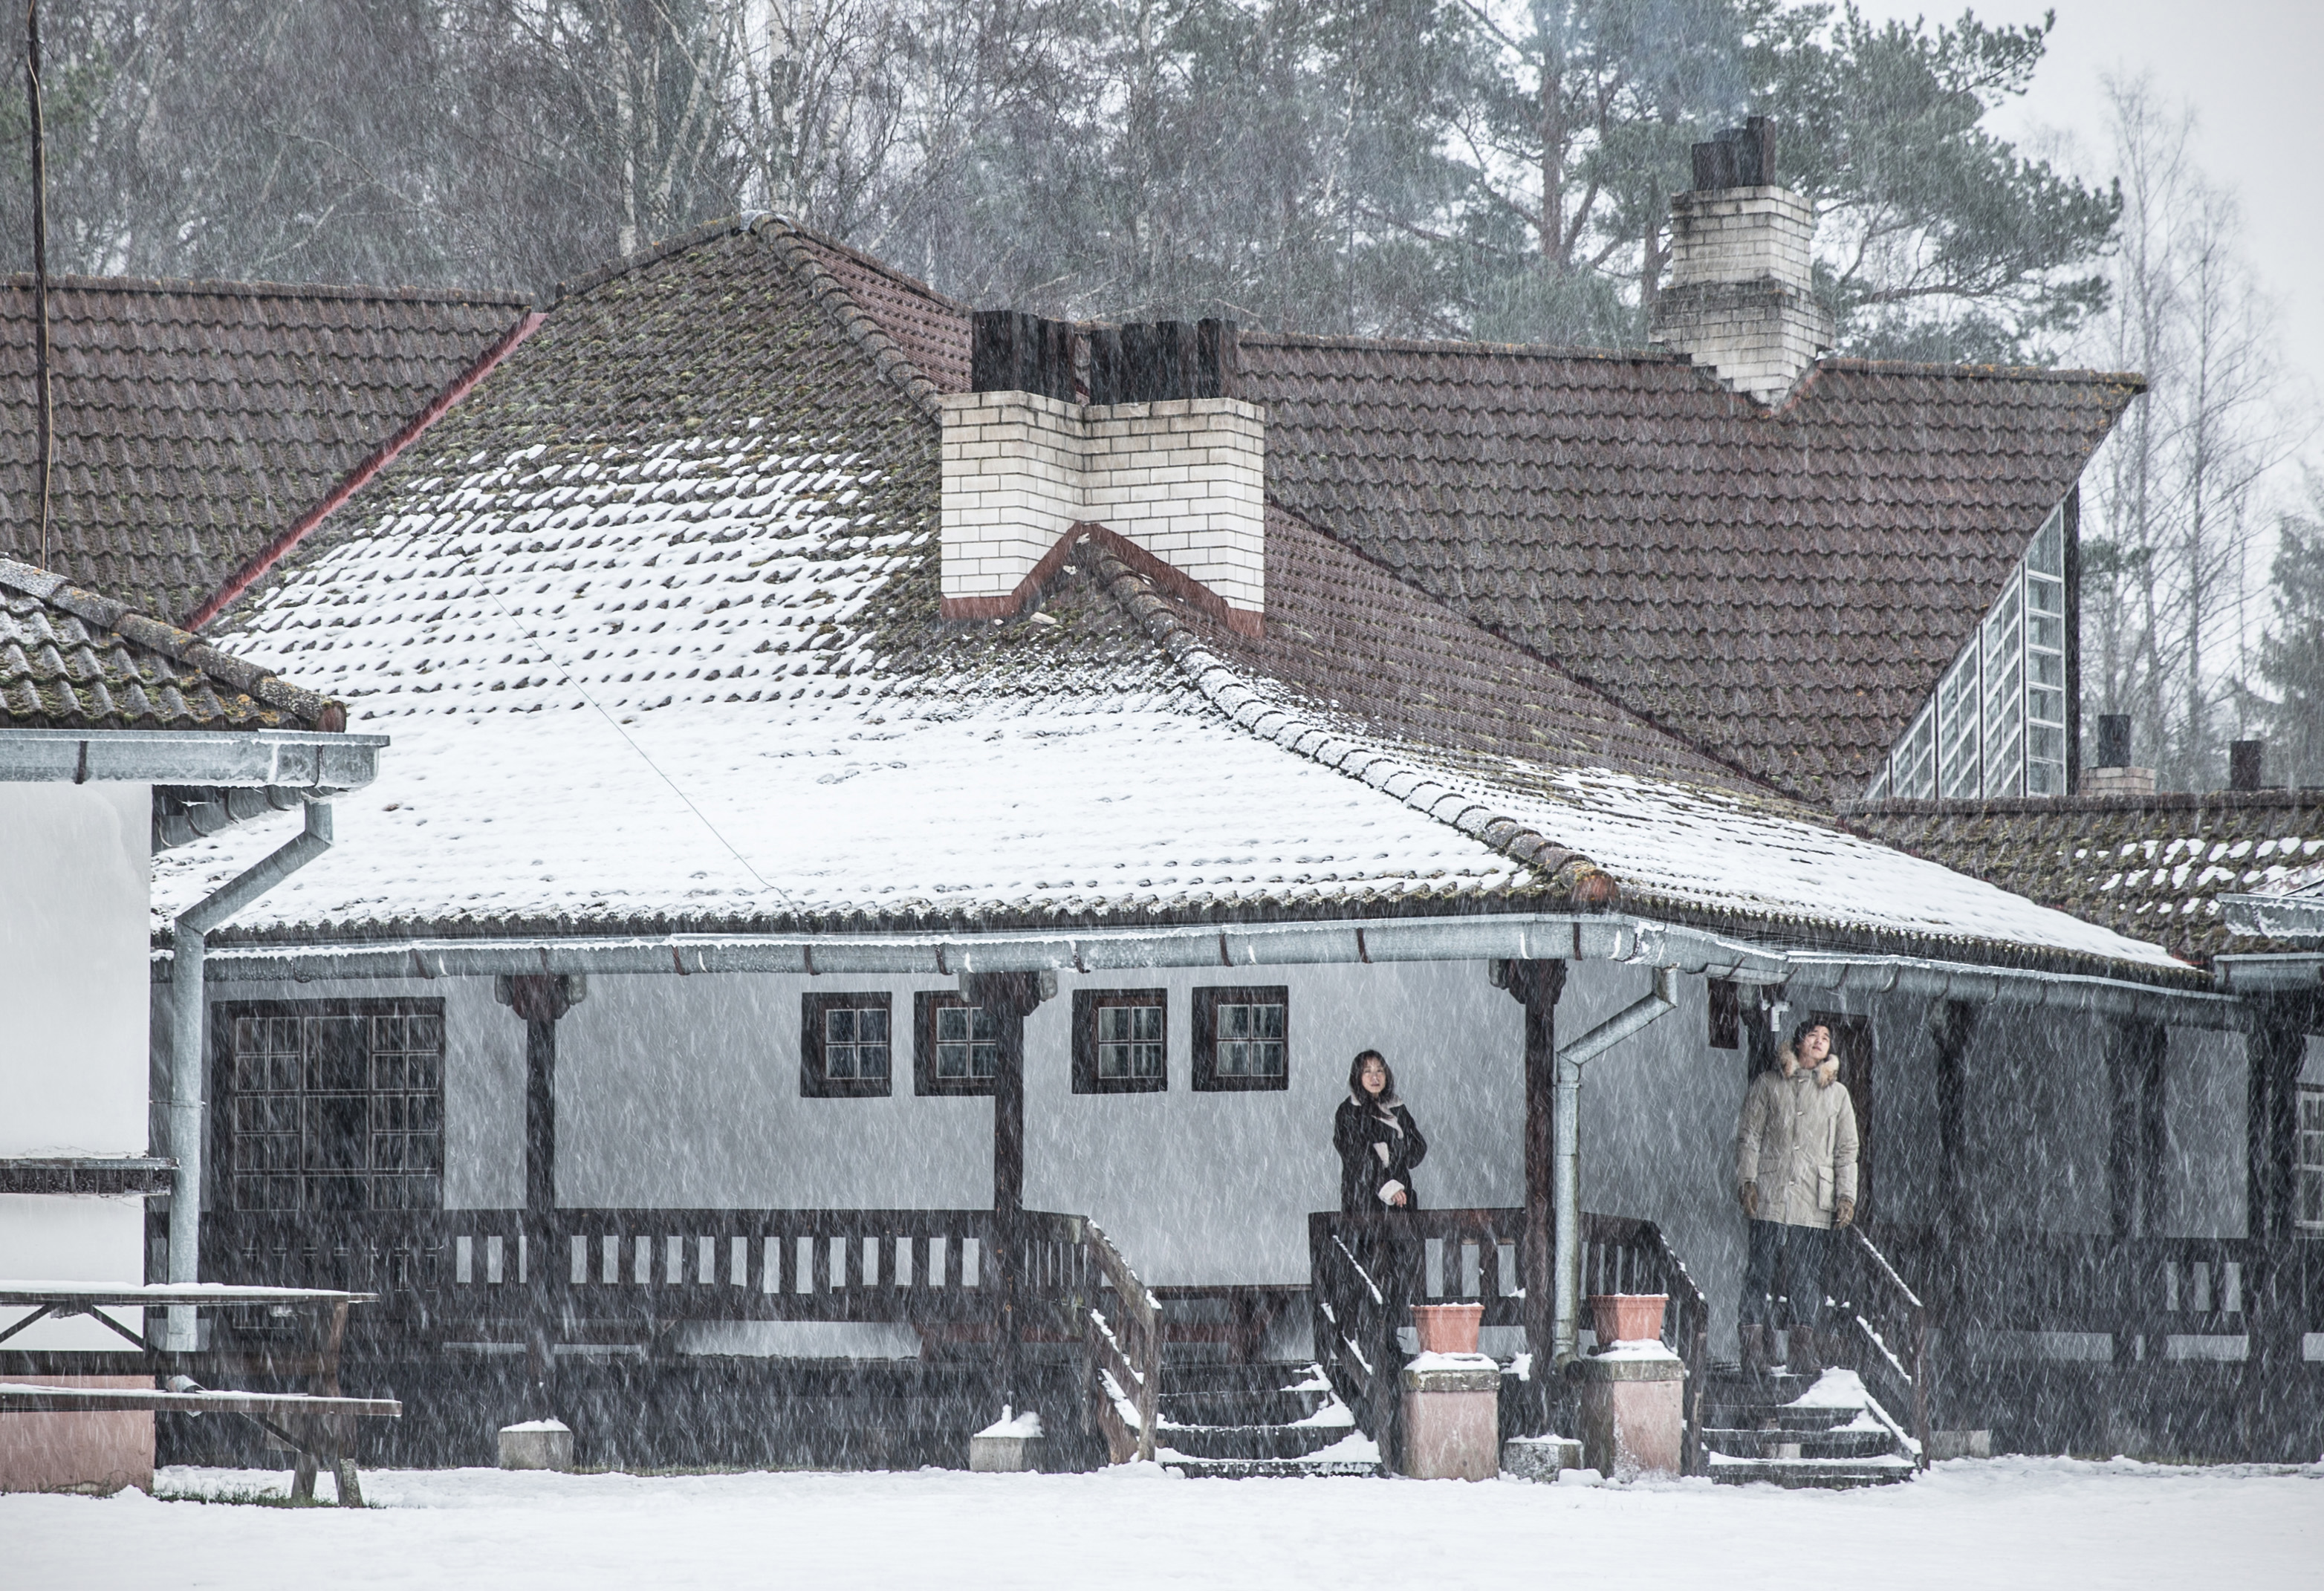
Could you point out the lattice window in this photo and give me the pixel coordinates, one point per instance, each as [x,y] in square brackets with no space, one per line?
[2308,1197]
[1121,1041]
[845,1046]
[1242,1038]
[968,1043]
[1996,725]
[334,1105]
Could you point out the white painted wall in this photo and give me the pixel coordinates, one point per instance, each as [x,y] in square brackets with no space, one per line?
[73,883]
[683,1092]
[74,888]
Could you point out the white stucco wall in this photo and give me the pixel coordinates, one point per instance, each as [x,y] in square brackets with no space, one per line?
[74,881]
[683,1092]
[74,884]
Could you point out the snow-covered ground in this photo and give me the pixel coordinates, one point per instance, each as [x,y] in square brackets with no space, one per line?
[2007,1523]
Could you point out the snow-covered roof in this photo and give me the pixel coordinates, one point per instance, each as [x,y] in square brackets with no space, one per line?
[651,620]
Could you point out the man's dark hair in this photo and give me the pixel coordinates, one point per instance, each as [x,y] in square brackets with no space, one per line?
[1807,1027]
[1356,1074]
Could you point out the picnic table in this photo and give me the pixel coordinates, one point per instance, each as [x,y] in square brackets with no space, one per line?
[316,1424]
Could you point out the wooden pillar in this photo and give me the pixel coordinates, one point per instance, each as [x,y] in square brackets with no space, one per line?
[541,1001]
[2135,1080]
[1009,997]
[1538,986]
[2274,1417]
[1956,1029]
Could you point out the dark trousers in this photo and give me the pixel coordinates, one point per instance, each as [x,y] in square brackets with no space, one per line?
[1801,1251]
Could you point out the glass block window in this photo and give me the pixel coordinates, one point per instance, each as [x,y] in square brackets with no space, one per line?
[844,1045]
[1121,1041]
[332,1105]
[2307,1195]
[1242,1038]
[1996,725]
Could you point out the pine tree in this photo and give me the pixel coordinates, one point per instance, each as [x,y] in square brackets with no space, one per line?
[2291,655]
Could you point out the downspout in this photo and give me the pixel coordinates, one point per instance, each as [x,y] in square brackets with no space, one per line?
[1566,1188]
[189,942]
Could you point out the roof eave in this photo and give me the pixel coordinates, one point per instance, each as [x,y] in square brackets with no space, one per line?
[317,762]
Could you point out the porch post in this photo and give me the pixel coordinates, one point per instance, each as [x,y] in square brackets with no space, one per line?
[1537,985]
[2135,1076]
[2274,1290]
[1010,998]
[541,1001]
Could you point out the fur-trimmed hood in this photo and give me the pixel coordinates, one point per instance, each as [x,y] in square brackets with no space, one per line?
[1825,1075]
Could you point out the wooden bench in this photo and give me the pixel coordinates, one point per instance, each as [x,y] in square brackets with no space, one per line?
[318,1425]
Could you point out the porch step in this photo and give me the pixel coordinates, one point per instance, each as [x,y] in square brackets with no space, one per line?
[1785,1431]
[1235,1422]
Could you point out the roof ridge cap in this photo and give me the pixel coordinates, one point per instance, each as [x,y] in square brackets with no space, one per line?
[225,289]
[651,254]
[901,371]
[1424,791]
[1455,345]
[874,263]
[2076,374]
[179,645]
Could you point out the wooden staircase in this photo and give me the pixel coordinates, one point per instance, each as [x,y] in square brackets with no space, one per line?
[1829,1432]
[1230,1421]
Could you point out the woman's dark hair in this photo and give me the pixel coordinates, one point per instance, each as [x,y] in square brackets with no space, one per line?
[1356,1074]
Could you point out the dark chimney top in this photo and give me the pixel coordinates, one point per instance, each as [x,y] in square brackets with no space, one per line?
[2244,764]
[1152,361]
[2114,741]
[1738,157]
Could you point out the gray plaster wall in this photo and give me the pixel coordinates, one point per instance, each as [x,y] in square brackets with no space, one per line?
[684,1092]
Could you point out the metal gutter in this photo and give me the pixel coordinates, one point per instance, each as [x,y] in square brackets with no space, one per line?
[1566,1187]
[2283,973]
[187,1051]
[2073,992]
[1513,937]
[312,761]
[2275,916]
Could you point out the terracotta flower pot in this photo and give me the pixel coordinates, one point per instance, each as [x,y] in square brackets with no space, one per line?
[1627,1316]
[1447,1329]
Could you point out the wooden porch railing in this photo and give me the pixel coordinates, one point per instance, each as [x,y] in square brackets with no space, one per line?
[1125,1350]
[1366,1269]
[1885,1332]
[2128,1288]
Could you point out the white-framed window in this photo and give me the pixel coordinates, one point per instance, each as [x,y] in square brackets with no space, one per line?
[2308,1162]
[1996,725]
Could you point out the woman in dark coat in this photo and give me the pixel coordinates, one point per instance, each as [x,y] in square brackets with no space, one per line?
[1379,1142]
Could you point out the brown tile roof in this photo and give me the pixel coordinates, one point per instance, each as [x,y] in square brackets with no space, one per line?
[931,329]
[2152,867]
[1781,590]
[196,420]
[1359,644]
[72,659]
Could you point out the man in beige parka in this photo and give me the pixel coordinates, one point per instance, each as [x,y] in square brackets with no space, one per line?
[1795,1155]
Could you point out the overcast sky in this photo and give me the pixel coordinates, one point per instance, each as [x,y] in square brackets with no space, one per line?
[2249,69]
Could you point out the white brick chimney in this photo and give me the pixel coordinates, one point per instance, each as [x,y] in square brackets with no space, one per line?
[1741,293]
[1181,479]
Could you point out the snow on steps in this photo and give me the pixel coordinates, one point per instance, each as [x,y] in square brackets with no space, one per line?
[1229,1422]
[1833,1434]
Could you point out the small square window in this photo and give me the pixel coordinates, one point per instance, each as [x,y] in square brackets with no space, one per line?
[1242,1038]
[844,1045]
[956,1046]
[1121,1041]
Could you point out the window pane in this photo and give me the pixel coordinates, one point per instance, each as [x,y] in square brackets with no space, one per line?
[838,1024]
[1129,1041]
[1249,1041]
